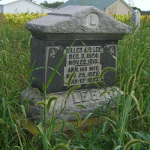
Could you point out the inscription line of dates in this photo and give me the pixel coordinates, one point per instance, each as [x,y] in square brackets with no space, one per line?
[85,61]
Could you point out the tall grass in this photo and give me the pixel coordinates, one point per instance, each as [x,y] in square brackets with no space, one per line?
[14,77]
[15,58]
[126,124]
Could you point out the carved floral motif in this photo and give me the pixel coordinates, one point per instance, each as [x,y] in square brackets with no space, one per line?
[54,49]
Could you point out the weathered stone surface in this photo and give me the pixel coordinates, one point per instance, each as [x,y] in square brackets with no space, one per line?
[136,19]
[87,65]
[53,34]
[90,98]
[96,48]
[77,20]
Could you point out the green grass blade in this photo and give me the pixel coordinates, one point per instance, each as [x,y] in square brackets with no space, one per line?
[51,77]
[106,70]
[71,127]
[49,101]
[130,84]
[78,117]
[131,143]
[77,147]
[146,73]
[49,68]
[82,106]
[41,103]
[125,116]
[104,137]
[137,103]
[139,68]
[86,117]
[70,79]
[1,121]
[61,146]
[72,89]
[143,136]
[118,147]
[95,139]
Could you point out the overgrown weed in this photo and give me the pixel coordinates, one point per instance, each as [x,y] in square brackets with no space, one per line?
[116,132]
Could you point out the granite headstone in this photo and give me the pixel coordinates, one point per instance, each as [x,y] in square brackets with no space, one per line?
[94,31]
[136,19]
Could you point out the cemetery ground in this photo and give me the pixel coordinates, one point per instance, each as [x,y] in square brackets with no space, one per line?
[125,125]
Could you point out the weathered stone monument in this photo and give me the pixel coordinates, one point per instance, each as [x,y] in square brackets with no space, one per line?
[52,36]
[136,19]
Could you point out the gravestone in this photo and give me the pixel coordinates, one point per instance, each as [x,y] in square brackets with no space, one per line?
[136,19]
[96,34]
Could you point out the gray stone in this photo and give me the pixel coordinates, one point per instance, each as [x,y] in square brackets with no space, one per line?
[54,33]
[77,20]
[136,19]
[96,48]
[91,98]
[78,59]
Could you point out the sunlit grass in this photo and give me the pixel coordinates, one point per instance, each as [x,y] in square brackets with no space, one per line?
[116,130]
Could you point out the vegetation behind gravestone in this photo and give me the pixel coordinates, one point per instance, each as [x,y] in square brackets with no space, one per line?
[15,74]
[57,3]
[51,5]
[142,11]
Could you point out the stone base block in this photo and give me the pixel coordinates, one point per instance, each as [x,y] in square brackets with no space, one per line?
[91,98]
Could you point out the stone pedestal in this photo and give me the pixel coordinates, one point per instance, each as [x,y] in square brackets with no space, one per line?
[92,99]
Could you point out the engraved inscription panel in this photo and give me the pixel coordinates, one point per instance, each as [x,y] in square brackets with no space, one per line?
[85,61]
[92,20]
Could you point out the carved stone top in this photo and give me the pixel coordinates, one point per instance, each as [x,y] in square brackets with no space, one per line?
[77,19]
[136,18]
